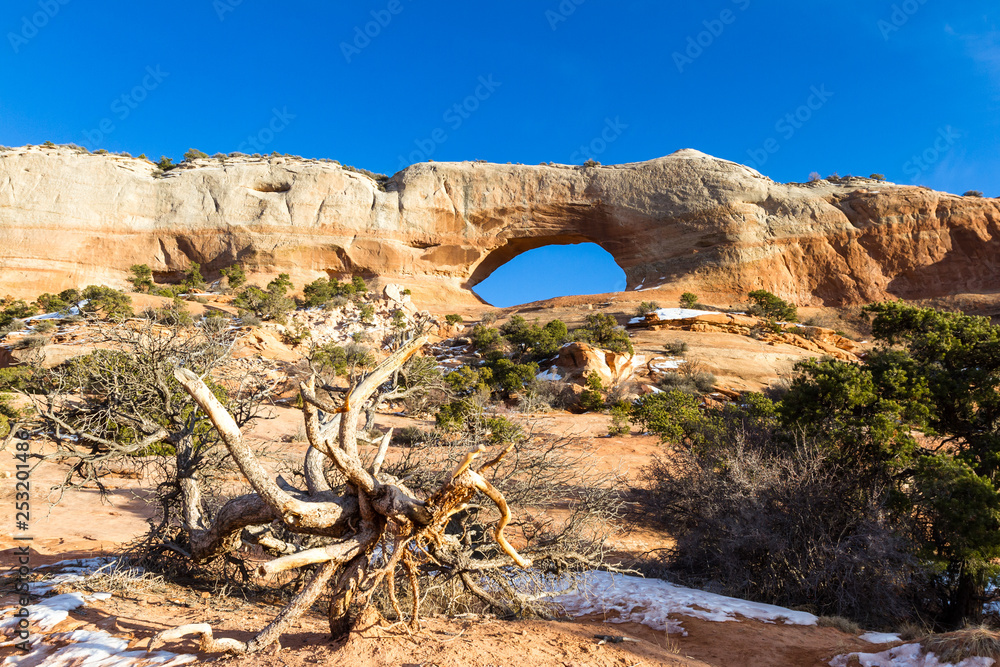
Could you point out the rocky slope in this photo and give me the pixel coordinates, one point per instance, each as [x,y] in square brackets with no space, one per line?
[685,221]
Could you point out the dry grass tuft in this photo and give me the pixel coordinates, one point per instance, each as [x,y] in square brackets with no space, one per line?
[953,647]
[839,622]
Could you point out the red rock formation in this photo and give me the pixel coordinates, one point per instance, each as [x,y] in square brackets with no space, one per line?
[683,222]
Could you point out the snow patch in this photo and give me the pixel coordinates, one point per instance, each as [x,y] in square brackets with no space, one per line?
[907,655]
[651,601]
[880,637]
[675,314]
[551,375]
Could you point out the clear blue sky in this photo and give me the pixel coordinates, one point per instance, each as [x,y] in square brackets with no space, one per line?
[897,81]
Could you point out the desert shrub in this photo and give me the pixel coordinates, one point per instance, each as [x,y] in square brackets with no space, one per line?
[591,163]
[486,339]
[767,305]
[646,307]
[973,193]
[544,395]
[296,334]
[250,320]
[106,302]
[235,275]
[691,378]
[489,317]
[667,414]
[44,326]
[592,398]
[141,277]
[194,154]
[166,164]
[877,177]
[676,348]
[531,342]
[619,419]
[840,623]
[52,303]
[689,300]
[367,312]
[269,304]
[782,525]
[172,314]
[15,310]
[193,278]
[506,376]
[341,361]
[398,319]
[603,331]
[336,302]
[33,342]
[954,647]
[452,319]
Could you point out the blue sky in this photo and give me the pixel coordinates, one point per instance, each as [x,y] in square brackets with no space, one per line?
[910,89]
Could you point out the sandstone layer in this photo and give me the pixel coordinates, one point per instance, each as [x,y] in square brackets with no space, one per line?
[687,221]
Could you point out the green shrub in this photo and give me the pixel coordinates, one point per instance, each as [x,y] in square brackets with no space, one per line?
[676,348]
[619,419]
[44,326]
[486,339]
[973,193]
[235,275]
[166,164]
[695,383]
[106,302]
[592,398]
[15,310]
[689,300]
[877,177]
[367,312]
[603,331]
[194,154]
[342,361]
[531,342]
[141,277]
[269,304]
[647,307]
[193,278]
[667,414]
[452,319]
[768,305]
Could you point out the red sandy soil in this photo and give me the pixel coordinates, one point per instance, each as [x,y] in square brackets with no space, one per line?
[83,525]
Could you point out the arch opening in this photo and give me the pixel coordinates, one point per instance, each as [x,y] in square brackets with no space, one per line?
[510,277]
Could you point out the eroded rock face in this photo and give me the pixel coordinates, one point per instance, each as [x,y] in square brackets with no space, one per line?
[687,221]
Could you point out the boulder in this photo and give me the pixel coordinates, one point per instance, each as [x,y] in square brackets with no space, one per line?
[577,360]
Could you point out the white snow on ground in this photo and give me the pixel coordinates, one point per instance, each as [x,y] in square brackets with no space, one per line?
[80,647]
[676,314]
[650,601]
[880,637]
[93,649]
[667,364]
[550,375]
[907,655]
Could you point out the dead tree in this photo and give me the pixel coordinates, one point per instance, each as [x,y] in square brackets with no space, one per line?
[371,508]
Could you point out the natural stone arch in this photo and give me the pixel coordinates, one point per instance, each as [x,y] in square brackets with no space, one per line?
[485,267]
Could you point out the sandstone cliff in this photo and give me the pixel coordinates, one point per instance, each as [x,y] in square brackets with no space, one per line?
[685,221]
